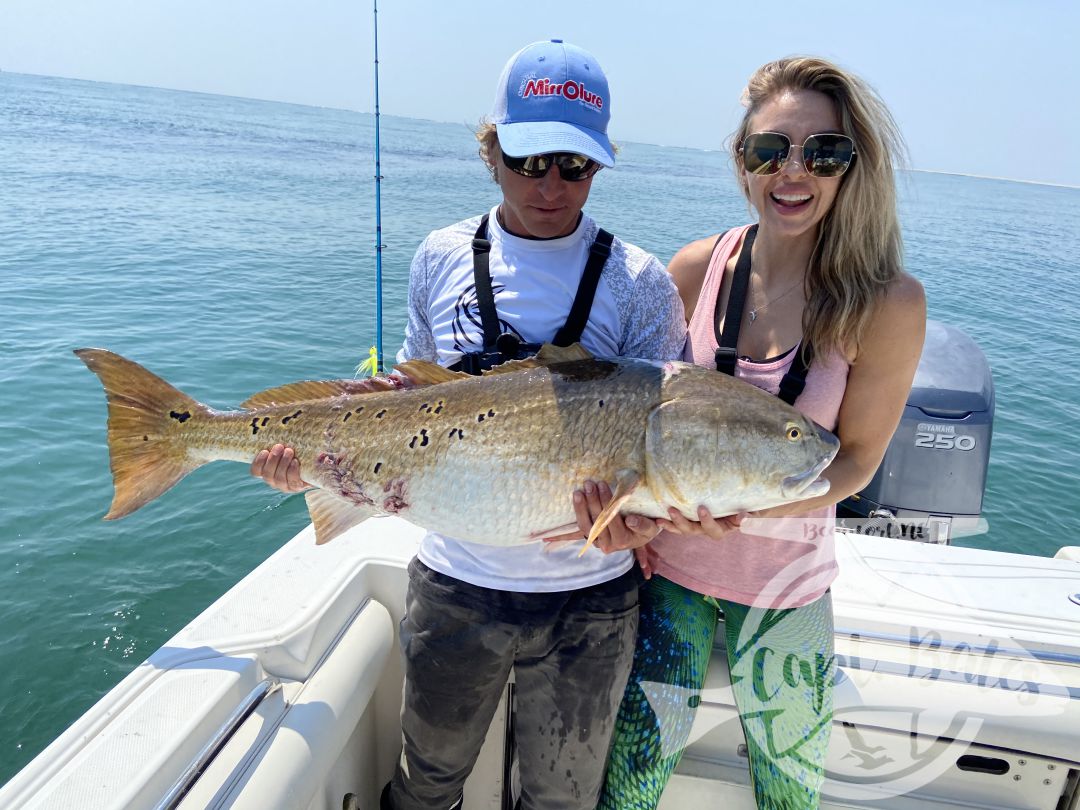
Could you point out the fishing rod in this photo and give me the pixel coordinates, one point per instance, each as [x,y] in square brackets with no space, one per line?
[378,209]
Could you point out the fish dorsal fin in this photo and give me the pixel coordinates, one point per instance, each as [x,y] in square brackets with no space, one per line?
[422,372]
[315,389]
[548,355]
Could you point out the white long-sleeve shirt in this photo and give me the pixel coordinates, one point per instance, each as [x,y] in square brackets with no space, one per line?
[636,313]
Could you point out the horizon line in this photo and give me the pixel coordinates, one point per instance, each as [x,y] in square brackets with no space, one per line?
[436,121]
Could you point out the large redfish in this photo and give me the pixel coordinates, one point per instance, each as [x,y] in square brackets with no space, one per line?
[491,459]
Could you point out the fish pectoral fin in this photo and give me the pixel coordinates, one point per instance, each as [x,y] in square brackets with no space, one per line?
[333,515]
[422,372]
[315,389]
[628,481]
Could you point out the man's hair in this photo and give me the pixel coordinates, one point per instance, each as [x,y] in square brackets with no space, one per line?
[489,139]
[859,252]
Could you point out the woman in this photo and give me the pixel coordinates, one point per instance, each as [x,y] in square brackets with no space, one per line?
[820,285]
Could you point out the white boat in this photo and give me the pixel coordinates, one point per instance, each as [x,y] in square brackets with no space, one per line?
[958,686]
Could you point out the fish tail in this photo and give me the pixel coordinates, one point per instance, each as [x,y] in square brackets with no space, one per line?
[146,436]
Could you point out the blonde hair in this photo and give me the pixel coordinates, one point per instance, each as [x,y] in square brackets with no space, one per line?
[489,139]
[859,251]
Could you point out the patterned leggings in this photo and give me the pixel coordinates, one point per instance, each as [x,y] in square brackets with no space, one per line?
[782,669]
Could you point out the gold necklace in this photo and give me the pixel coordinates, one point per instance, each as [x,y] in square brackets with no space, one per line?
[754,312]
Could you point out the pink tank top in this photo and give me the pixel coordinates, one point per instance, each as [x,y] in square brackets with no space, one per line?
[770,562]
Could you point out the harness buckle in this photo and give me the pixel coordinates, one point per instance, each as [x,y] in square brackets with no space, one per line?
[725,359]
[601,249]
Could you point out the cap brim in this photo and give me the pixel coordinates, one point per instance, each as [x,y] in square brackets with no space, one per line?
[541,137]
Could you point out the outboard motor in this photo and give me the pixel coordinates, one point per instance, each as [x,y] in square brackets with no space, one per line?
[930,484]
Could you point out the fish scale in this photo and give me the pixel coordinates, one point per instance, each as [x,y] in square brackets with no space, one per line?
[490,459]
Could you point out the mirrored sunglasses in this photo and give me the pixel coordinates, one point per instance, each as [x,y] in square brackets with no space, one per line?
[571,167]
[824,155]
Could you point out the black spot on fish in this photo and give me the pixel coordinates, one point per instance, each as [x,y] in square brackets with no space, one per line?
[484,416]
[381,414]
[378,466]
[146,438]
[601,403]
[358,410]
[439,407]
[265,421]
[347,415]
[286,419]
[180,417]
[254,426]
[423,437]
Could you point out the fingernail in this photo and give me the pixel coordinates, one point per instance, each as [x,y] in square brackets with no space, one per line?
[579,496]
[632,522]
[590,487]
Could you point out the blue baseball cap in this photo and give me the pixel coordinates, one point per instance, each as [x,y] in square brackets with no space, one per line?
[553,97]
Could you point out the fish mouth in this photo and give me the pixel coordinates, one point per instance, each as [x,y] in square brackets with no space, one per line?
[807,484]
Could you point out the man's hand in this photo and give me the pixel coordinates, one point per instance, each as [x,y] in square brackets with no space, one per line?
[280,468]
[633,532]
[620,534]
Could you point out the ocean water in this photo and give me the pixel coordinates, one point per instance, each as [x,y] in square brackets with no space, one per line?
[228,245]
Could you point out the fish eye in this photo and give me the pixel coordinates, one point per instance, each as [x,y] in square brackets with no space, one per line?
[793,433]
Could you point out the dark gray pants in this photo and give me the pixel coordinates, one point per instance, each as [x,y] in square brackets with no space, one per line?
[571,653]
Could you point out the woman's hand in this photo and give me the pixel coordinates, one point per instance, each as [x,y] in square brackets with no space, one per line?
[280,468]
[712,527]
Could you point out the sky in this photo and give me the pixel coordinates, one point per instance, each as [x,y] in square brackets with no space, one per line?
[990,88]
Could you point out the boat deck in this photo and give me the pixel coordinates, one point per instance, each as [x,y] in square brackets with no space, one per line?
[958,685]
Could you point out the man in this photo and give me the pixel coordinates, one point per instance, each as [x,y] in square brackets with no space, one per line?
[534,269]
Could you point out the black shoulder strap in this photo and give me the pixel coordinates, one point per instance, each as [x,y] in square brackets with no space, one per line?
[794,381]
[485,299]
[583,300]
[728,340]
[586,291]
